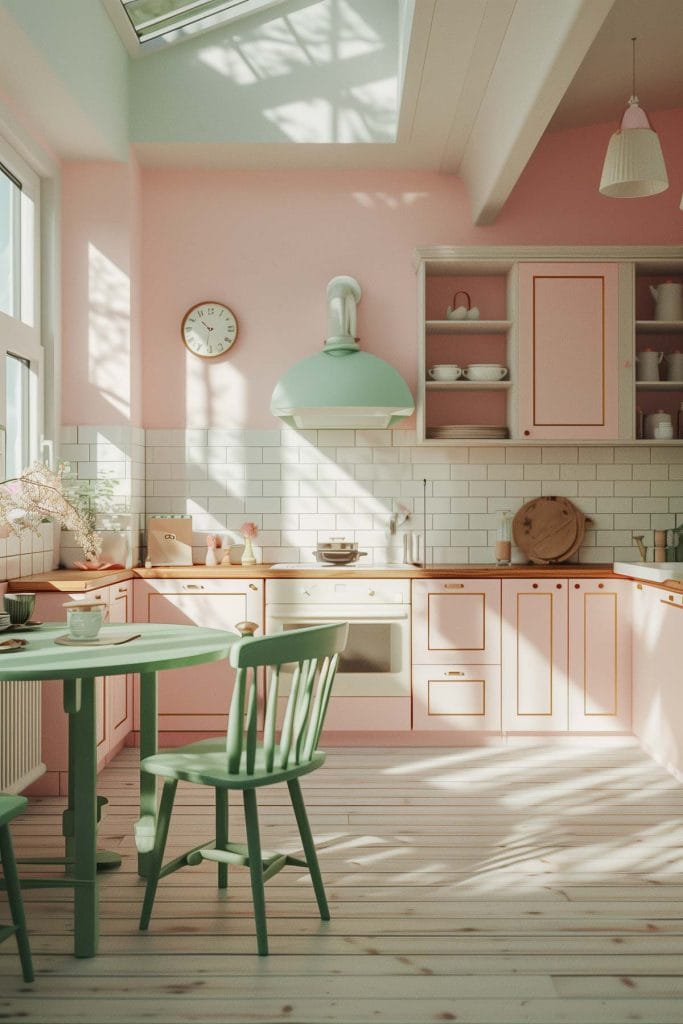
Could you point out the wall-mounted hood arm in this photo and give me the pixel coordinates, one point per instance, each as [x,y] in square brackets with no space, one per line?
[342,386]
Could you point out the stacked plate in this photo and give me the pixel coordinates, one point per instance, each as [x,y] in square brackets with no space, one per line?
[468,431]
[549,529]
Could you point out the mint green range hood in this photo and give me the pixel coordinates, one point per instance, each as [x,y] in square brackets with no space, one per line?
[342,386]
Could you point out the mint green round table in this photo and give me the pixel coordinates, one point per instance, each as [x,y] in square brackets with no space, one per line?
[157,647]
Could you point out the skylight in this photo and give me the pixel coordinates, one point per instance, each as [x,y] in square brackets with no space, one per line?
[160,22]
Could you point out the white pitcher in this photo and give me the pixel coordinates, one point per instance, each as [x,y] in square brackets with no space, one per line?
[647,364]
[668,300]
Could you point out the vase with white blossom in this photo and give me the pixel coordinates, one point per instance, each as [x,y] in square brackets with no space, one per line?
[248,531]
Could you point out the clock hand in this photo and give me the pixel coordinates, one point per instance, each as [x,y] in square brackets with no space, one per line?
[207,326]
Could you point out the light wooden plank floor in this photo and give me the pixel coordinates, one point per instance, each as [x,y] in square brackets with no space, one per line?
[536,883]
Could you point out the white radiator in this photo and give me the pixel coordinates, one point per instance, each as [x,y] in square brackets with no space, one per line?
[20,762]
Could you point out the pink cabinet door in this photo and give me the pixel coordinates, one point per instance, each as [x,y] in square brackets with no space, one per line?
[119,689]
[465,698]
[456,622]
[197,699]
[568,342]
[534,655]
[600,655]
[657,691]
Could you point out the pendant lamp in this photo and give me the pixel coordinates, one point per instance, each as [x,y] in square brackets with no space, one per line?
[634,165]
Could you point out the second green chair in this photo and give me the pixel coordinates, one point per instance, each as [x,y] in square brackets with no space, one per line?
[243,763]
[10,807]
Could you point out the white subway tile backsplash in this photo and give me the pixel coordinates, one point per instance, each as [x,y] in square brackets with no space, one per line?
[301,486]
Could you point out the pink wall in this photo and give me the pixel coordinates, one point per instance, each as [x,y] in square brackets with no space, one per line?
[101,296]
[266,243]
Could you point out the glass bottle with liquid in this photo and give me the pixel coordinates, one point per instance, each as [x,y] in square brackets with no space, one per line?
[503,547]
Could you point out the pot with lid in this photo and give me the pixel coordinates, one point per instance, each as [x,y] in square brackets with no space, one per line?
[338,551]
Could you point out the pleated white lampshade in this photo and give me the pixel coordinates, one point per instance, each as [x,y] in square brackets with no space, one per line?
[634,163]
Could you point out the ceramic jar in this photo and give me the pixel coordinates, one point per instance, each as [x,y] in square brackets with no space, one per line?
[658,426]
[674,365]
[647,364]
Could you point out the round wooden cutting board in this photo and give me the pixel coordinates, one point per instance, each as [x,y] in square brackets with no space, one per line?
[549,529]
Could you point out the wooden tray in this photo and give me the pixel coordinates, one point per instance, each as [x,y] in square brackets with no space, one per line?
[549,529]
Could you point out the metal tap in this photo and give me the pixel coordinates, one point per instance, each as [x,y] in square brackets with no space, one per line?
[641,547]
[398,519]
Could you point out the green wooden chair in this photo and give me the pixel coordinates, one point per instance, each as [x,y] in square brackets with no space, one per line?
[10,807]
[242,762]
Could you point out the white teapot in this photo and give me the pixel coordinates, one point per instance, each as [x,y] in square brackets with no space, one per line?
[668,300]
[468,312]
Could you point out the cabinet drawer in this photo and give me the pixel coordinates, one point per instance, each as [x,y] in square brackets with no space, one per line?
[461,697]
[456,622]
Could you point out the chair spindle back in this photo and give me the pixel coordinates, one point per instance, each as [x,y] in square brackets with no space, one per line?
[314,652]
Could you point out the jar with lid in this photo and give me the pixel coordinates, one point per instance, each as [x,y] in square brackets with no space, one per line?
[503,546]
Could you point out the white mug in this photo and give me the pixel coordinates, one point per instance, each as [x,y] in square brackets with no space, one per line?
[445,371]
[84,619]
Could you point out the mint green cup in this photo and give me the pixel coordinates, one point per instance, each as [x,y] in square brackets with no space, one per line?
[19,607]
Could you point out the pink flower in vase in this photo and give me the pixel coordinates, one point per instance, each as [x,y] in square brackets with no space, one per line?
[248,531]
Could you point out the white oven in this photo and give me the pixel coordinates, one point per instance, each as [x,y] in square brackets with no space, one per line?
[376,661]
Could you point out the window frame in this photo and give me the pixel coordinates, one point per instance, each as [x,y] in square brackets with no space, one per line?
[20,334]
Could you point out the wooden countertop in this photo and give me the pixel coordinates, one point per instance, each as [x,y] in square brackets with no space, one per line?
[78,581]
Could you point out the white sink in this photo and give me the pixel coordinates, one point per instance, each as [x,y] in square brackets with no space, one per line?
[655,572]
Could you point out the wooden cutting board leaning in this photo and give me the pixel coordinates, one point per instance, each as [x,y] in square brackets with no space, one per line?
[549,529]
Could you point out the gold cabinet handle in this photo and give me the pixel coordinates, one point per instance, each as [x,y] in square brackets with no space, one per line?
[193,586]
[453,586]
[252,586]
[454,673]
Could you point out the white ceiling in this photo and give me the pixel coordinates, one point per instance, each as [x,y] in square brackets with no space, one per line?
[478,83]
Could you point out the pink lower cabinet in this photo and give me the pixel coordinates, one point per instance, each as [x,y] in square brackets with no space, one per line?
[114,694]
[456,655]
[657,689]
[600,655]
[196,700]
[534,655]
[119,689]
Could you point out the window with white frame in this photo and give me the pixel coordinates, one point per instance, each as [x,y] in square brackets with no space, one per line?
[21,352]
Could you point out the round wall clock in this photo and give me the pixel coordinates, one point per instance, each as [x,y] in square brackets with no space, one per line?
[209,329]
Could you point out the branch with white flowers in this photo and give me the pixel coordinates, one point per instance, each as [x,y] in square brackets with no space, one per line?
[27,500]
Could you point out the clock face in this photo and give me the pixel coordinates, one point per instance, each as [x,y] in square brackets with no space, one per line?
[209,329]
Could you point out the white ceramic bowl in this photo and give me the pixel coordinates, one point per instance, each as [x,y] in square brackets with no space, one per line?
[445,371]
[485,371]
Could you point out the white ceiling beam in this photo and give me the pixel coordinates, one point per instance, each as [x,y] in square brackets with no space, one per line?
[543,47]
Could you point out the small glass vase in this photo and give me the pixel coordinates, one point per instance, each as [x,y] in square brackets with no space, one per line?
[248,556]
[503,548]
